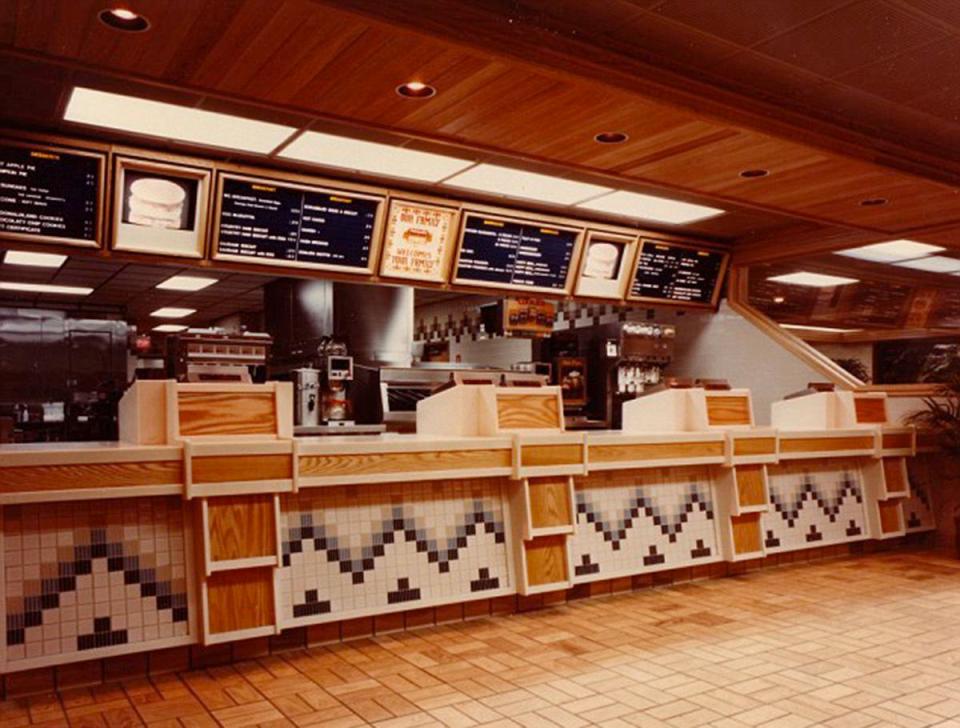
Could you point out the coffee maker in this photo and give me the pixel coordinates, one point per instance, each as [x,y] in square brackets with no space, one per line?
[335,381]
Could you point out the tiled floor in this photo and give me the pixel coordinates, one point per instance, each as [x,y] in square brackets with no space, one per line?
[873,641]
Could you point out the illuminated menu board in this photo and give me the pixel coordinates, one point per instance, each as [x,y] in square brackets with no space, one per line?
[677,274]
[503,253]
[286,224]
[50,195]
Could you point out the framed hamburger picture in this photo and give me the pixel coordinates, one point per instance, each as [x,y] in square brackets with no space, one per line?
[605,265]
[160,208]
[418,242]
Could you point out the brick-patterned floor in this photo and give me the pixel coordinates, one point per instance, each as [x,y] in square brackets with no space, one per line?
[873,641]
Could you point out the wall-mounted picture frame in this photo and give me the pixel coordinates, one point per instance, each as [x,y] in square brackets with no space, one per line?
[605,265]
[160,208]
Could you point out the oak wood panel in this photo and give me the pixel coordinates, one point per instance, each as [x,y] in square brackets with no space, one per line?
[227,413]
[403,462]
[825,444]
[546,560]
[746,533]
[94,475]
[654,451]
[240,468]
[240,599]
[891,515]
[241,527]
[870,410]
[528,411]
[728,410]
[750,485]
[542,455]
[893,475]
[754,446]
[550,504]
[897,440]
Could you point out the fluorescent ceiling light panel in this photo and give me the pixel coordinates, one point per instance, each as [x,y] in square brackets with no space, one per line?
[186,283]
[330,150]
[933,264]
[825,329]
[38,260]
[507,182]
[173,312]
[892,251]
[170,328]
[813,280]
[171,121]
[45,288]
[648,207]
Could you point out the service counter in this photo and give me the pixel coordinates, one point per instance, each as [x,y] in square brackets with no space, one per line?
[210,523]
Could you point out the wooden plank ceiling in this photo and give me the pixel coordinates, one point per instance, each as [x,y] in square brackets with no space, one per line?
[535,80]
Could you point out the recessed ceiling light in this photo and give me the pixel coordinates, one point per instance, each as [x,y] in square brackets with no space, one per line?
[754,173]
[891,251]
[45,288]
[648,207]
[813,280]
[611,137]
[826,329]
[933,264]
[779,299]
[873,202]
[123,19]
[509,182]
[170,328]
[416,90]
[330,150]
[171,121]
[173,312]
[38,260]
[186,283]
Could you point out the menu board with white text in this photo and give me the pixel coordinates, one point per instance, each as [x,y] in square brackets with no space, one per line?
[681,274]
[280,223]
[532,255]
[418,241]
[50,195]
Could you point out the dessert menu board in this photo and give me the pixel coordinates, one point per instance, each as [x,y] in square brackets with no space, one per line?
[287,224]
[677,273]
[417,243]
[50,195]
[503,253]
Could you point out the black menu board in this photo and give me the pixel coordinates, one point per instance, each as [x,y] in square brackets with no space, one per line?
[677,274]
[504,253]
[302,226]
[50,195]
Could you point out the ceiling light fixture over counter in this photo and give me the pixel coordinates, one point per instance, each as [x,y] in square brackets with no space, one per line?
[186,283]
[174,122]
[37,260]
[649,207]
[123,19]
[172,312]
[45,288]
[509,182]
[357,155]
[415,90]
[891,251]
[170,328]
[812,280]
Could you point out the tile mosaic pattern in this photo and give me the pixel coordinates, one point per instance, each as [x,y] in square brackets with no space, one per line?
[919,510]
[93,574]
[350,549]
[814,503]
[629,522]
[764,649]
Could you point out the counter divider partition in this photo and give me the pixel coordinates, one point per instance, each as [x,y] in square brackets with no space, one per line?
[216,526]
